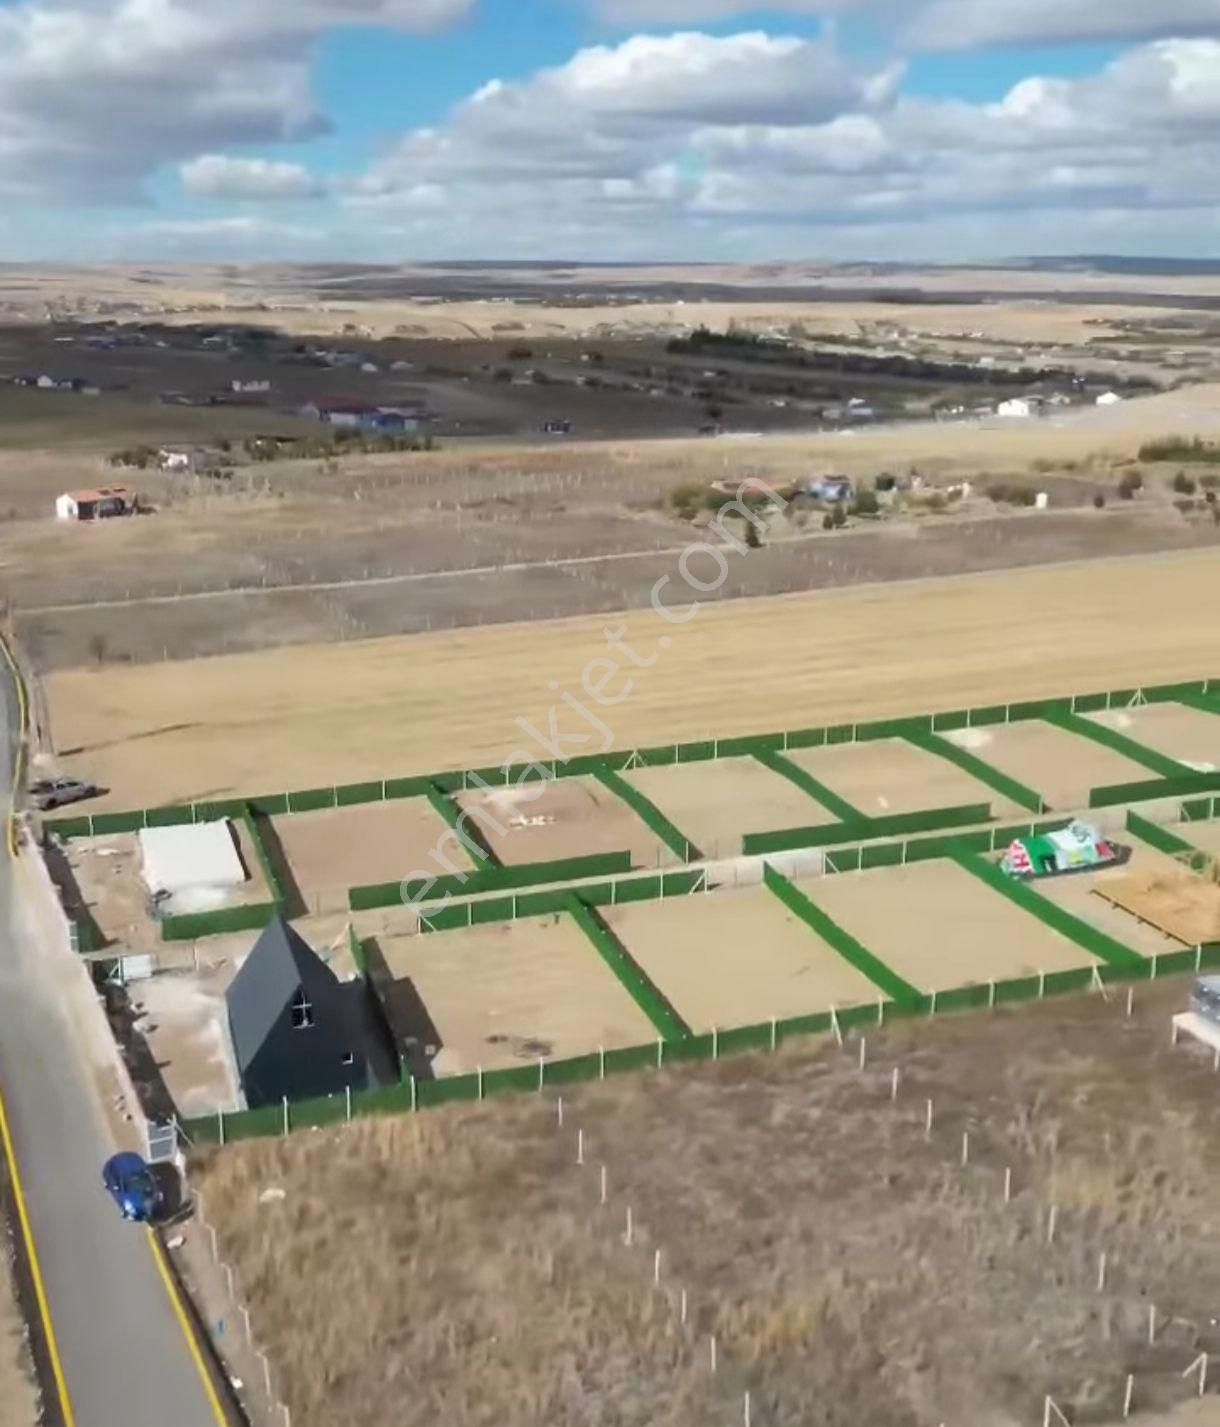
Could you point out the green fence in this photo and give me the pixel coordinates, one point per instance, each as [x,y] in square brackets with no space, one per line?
[1166,841]
[892,825]
[1200,810]
[978,768]
[641,989]
[768,1036]
[1106,948]
[851,950]
[488,879]
[1114,794]
[648,813]
[1111,738]
[807,783]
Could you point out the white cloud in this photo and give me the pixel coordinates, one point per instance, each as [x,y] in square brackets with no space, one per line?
[259,180]
[95,94]
[965,24]
[705,12]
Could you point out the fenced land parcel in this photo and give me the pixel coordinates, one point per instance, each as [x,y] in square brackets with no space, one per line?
[847,1264]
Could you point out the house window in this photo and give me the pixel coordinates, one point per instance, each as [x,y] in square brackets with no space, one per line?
[302,1011]
[349,1058]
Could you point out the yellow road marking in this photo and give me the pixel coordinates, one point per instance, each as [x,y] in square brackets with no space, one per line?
[188,1330]
[40,1292]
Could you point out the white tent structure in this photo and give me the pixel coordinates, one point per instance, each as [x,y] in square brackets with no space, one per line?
[1109,398]
[194,866]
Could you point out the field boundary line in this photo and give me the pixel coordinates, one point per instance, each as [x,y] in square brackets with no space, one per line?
[1098,943]
[852,951]
[188,1332]
[807,783]
[639,985]
[1117,742]
[645,809]
[35,1265]
[977,767]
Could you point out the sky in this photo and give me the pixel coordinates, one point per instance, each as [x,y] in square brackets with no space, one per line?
[607,130]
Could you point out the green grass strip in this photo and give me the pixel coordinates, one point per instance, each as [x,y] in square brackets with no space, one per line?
[1168,842]
[842,941]
[1050,914]
[648,812]
[464,825]
[807,783]
[971,763]
[669,1025]
[1117,742]
[1205,703]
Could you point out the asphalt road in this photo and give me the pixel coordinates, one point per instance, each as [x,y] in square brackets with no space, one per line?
[125,1357]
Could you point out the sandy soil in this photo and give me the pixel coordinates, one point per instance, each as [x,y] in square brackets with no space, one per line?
[1179,732]
[1083,894]
[890,776]
[184,1023]
[301,716]
[1061,766]
[327,852]
[715,803]
[507,994]
[736,958]
[1204,835]
[108,874]
[939,927]
[566,817]
[1185,907]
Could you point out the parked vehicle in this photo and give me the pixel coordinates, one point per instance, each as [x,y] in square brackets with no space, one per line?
[58,792]
[133,1187]
[1075,848]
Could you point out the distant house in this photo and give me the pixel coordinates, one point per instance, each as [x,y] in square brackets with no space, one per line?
[252,387]
[1109,398]
[295,1033]
[184,458]
[362,415]
[100,504]
[557,427]
[1016,406]
[831,489]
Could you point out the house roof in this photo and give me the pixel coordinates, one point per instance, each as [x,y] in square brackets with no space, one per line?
[354,408]
[280,964]
[104,493]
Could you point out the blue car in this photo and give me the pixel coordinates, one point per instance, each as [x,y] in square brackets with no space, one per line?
[132,1186]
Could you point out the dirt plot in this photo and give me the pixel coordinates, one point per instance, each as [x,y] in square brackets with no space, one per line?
[183,1021]
[736,958]
[1189,735]
[338,713]
[565,817]
[716,803]
[327,852]
[108,876]
[1062,766]
[890,776]
[506,994]
[840,1258]
[1083,894]
[939,927]
[1203,835]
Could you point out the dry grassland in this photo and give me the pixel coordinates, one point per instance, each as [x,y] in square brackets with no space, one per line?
[304,716]
[457,1266]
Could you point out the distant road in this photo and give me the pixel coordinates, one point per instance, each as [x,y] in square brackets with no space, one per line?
[126,1361]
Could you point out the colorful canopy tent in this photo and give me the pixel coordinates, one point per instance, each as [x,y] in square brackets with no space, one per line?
[1070,849]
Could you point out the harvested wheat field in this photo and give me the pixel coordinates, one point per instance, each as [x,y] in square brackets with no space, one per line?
[327,852]
[736,959]
[715,803]
[890,776]
[938,926]
[502,995]
[303,716]
[1064,767]
[1189,735]
[565,817]
[849,1268]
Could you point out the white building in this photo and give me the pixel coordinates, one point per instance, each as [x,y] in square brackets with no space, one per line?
[1109,398]
[94,505]
[1016,407]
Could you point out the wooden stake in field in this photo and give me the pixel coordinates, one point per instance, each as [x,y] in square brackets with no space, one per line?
[1051,1223]
[682,1309]
[965,1148]
[712,1345]
[1130,1001]
[927,1124]
[1101,1272]
[656,1269]
[1008,1185]
[559,1111]
[580,1147]
[603,1198]
[1128,1396]
[629,1236]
